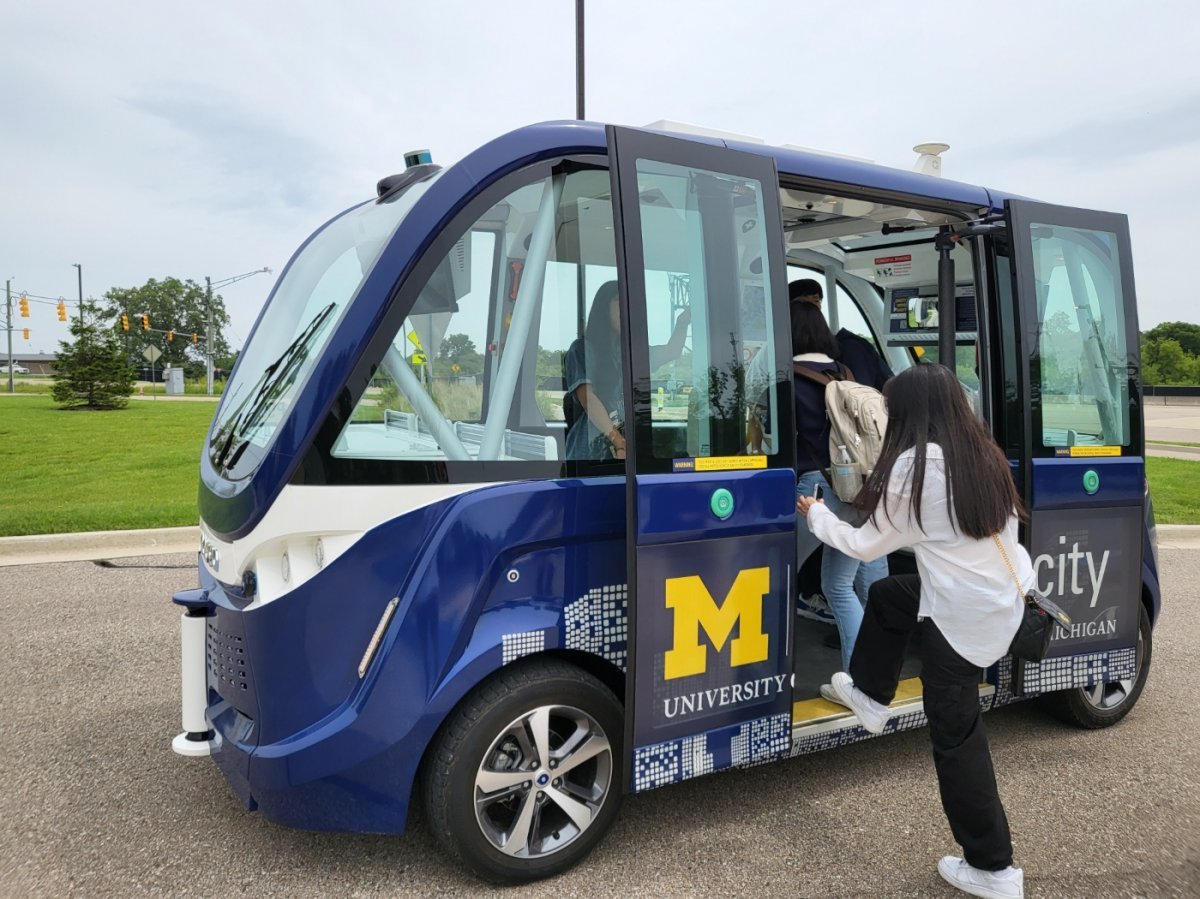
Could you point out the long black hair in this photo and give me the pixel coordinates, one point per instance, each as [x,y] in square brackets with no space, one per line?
[927,405]
[603,345]
[810,332]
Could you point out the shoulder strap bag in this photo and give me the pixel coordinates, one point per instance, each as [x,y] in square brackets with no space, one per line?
[1032,640]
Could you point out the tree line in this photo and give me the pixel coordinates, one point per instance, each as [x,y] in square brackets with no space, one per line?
[96,369]
[1171,354]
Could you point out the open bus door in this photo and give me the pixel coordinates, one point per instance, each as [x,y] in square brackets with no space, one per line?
[711,514]
[1083,455]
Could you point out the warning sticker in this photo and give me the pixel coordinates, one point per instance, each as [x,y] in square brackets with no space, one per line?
[1088,452]
[720,463]
[893,266]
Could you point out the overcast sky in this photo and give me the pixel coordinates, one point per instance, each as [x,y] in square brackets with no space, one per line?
[150,139]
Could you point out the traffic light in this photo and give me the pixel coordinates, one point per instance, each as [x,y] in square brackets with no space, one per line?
[145,323]
[24,304]
[124,322]
[195,338]
[62,311]
[170,337]
[26,333]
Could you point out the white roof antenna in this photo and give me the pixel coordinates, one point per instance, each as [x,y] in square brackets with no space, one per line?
[930,162]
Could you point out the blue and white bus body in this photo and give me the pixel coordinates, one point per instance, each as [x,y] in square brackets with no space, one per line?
[360,586]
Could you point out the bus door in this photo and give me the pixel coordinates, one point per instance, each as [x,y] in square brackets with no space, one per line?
[1083,464]
[710,480]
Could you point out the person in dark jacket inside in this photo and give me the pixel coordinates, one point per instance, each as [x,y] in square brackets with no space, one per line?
[855,351]
[844,580]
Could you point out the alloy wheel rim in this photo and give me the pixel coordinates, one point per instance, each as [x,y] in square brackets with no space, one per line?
[543,781]
[1104,696]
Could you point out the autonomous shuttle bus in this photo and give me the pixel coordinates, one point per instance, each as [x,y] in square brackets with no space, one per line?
[417,582]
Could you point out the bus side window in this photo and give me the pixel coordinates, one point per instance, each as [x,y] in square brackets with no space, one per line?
[475,371]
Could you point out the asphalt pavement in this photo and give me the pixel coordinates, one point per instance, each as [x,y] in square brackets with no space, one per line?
[94,803]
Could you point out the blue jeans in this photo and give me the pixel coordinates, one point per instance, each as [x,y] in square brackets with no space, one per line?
[844,579]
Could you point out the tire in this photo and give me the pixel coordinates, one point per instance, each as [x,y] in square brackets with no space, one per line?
[496,803]
[1106,703]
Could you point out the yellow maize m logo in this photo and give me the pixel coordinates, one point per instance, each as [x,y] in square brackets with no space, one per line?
[695,609]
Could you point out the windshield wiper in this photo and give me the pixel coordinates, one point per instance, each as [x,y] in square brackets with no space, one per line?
[272,377]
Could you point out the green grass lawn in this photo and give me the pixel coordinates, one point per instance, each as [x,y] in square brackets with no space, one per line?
[1175,488]
[66,471]
[97,471]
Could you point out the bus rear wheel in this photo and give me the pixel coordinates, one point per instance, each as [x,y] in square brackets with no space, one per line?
[1106,703]
[524,779]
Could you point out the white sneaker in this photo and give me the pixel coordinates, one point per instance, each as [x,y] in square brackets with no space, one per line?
[828,694]
[871,715]
[1006,884]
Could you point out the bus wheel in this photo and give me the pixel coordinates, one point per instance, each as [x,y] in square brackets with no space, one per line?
[1108,702]
[524,779]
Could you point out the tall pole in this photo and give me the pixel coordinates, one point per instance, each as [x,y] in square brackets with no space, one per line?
[579,59]
[8,306]
[80,270]
[208,355]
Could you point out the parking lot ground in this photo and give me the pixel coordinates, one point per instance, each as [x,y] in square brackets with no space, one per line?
[94,803]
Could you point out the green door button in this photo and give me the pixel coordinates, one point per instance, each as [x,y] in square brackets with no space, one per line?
[1091,481]
[722,503]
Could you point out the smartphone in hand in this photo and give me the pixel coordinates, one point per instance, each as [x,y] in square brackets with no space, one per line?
[818,492]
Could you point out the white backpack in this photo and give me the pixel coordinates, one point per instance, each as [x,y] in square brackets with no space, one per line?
[857,422]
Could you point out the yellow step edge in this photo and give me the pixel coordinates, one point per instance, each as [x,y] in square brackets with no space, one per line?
[908,691]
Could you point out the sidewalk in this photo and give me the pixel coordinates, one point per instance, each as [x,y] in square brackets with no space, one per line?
[1173,451]
[92,545]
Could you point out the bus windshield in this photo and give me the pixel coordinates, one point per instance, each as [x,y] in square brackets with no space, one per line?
[310,300]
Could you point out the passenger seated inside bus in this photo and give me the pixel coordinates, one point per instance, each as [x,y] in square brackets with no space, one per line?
[594,387]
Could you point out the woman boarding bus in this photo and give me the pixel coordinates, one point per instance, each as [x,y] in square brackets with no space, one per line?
[942,487]
[408,585]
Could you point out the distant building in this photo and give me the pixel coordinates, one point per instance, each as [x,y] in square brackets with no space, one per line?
[37,363]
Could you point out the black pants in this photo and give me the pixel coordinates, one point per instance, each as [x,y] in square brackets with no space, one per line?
[965,775]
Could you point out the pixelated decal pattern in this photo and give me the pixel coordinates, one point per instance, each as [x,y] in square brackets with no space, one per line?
[760,740]
[598,622]
[1068,672]
[522,644]
[830,739]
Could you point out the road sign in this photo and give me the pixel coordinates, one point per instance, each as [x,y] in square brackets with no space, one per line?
[152,354]
[418,358]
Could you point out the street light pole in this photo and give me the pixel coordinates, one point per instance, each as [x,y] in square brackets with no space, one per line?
[80,271]
[208,345]
[8,306]
[579,59]
[208,353]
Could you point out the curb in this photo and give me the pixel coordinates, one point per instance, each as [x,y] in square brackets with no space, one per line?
[1178,536]
[91,545]
[1173,451]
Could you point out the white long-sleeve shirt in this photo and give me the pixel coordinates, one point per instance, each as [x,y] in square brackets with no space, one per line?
[965,586]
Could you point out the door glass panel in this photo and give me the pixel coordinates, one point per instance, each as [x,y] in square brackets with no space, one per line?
[704,245]
[1081,337]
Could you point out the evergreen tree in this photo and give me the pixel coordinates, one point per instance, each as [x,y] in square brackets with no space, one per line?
[92,371]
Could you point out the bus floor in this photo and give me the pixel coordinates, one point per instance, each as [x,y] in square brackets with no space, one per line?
[814,663]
